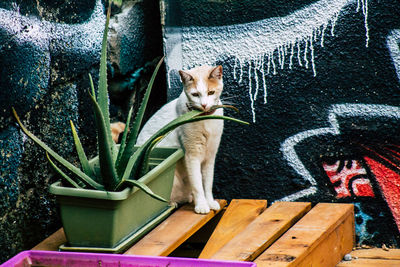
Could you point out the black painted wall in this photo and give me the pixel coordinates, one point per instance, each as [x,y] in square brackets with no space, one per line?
[325,121]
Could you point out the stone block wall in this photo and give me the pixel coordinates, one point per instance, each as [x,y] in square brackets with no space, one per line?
[47,50]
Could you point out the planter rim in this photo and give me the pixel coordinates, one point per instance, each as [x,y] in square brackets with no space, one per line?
[57,189]
[123,260]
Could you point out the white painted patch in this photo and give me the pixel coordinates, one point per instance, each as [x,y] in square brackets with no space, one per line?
[289,151]
[288,147]
[303,193]
[393,43]
[173,48]
[274,40]
[83,37]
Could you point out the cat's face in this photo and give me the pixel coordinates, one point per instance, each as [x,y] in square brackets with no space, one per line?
[202,86]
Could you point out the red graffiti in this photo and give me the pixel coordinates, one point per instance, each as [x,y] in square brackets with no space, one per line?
[389,183]
[349,178]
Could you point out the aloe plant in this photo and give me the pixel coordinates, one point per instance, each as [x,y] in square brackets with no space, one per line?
[120,166]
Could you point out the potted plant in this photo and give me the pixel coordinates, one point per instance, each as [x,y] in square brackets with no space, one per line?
[110,202]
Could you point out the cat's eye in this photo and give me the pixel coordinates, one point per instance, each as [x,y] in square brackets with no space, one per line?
[195,94]
[211,92]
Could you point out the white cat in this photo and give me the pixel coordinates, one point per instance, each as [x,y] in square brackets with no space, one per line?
[194,175]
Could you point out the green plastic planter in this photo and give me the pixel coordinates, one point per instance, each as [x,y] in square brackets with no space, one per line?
[109,221]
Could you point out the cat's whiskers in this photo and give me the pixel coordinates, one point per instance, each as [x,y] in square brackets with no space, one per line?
[228,97]
[228,102]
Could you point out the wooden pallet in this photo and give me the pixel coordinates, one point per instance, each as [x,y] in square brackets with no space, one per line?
[321,238]
[262,231]
[284,234]
[167,236]
[172,232]
[372,258]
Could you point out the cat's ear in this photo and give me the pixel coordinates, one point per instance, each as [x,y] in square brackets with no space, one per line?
[185,77]
[216,73]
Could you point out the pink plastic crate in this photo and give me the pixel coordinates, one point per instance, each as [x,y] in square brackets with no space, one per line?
[78,259]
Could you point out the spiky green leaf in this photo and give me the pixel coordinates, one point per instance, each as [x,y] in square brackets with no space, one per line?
[124,136]
[107,167]
[63,174]
[145,188]
[79,174]
[146,160]
[134,132]
[87,169]
[93,91]
[102,96]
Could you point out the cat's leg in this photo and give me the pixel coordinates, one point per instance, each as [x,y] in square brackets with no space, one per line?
[193,167]
[181,189]
[208,179]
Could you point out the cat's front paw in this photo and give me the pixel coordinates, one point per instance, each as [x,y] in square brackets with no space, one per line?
[202,208]
[214,205]
[173,204]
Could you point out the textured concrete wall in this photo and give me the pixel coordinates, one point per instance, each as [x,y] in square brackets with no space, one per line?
[319,82]
[47,49]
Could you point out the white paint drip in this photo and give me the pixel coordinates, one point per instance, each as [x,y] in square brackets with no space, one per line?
[234,69]
[305,54]
[253,111]
[241,71]
[291,56]
[256,68]
[263,79]
[280,57]
[312,56]
[260,41]
[298,55]
[323,35]
[284,52]
[365,13]
[273,63]
[334,23]
[286,48]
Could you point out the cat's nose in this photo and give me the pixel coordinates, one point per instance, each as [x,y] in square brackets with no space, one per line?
[204,106]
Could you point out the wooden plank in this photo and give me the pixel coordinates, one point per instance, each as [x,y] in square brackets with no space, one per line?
[193,246]
[52,242]
[321,238]
[262,231]
[373,257]
[239,214]
[172,232]
[332,249]
[369,263]
[377,253]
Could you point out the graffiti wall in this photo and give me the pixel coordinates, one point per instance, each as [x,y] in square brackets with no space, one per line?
[319,80]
